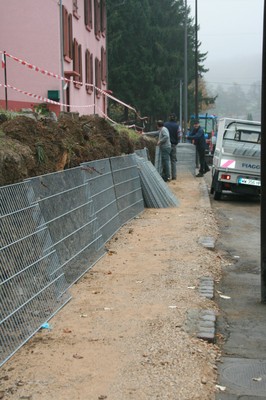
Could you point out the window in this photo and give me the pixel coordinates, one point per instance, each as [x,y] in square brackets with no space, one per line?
[98,76]
[89,71]
[75,9]
[103,17]
[243,132]
[67,35]
[77,63]
[103,65]
[88,14]
[97,18]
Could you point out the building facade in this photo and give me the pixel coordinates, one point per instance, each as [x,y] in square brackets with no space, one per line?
[55,50]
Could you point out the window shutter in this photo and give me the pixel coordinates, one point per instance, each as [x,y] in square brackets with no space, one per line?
[70,36]
[89,72]
[88,14]
[80,79]
[65,32]
[103,65]
[103,17]
[97,18]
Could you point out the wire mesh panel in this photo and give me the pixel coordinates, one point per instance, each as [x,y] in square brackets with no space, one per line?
[156,193]
[67,207]
[127,187]
[99,177]
[186,158]
[158,160]
[144,153]
[31,287]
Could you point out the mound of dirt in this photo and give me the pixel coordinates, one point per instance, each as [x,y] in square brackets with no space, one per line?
[30,147]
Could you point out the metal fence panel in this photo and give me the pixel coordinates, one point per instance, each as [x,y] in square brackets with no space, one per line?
[186,158]
[67,207]
[127,187]
[31,288]
[156,193]
[144,153]
[53,229]
[98,175]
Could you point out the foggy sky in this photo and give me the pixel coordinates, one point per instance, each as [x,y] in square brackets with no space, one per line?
[231,32]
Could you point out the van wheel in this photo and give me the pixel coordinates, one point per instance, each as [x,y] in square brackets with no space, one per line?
[216,188]
[217,195]
[212,188]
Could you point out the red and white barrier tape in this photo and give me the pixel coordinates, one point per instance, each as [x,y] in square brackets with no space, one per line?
[41,97]
[53,75]
[55,102]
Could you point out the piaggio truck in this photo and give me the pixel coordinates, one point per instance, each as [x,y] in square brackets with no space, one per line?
[236,160]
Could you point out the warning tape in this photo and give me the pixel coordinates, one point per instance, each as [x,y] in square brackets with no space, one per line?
[42,98]
[53,75]
[35,96]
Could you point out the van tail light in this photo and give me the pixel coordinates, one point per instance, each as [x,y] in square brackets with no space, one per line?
[226,177]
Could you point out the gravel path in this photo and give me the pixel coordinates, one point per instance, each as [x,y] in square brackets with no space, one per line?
[124,335]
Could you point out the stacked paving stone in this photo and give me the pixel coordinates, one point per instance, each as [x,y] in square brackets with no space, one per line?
[207,318]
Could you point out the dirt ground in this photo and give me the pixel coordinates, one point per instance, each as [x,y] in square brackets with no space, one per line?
[123,335]
[31,147]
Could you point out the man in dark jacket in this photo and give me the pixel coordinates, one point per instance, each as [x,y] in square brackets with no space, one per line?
[198,136]
[174,131]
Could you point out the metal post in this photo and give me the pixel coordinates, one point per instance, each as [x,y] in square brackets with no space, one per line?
[180,104]
[263,167]
[5,73]
[62,52]
[185,70]
[196,63]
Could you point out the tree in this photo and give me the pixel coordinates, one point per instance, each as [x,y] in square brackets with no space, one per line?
[146,54]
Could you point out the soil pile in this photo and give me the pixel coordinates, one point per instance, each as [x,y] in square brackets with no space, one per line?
[30,147]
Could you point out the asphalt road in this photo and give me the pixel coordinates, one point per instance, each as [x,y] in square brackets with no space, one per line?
[241,324]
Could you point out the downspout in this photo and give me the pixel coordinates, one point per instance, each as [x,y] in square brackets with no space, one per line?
[62,53]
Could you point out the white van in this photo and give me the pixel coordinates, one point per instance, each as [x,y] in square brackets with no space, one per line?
[236,160]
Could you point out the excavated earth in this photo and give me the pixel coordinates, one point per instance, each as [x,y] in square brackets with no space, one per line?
[30,147]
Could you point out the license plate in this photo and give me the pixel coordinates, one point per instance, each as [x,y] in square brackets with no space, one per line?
[246,181]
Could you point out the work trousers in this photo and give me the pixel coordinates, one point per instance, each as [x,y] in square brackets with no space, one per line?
[173,161]
[165,157]
[203,164]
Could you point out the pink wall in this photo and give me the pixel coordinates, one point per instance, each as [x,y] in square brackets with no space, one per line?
[30,30]
[88,41]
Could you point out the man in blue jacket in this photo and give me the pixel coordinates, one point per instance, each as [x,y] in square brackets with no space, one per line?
[198,136]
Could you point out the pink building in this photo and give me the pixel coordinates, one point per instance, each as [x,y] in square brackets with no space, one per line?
[63,37]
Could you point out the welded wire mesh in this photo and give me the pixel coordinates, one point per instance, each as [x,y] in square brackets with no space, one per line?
[31,288]
[67,208]
[186,158]
[98,175]
[54,228]
[144,153]
[155,191]
[127,187]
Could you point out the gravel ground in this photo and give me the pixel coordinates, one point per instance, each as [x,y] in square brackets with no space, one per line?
[124,335]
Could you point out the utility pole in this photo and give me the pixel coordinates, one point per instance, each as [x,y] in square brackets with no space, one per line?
[185,70]
[196,63]
[180,103]
[263,167]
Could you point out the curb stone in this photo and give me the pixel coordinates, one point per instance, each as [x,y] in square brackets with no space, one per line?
[206,325]
[207,318]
